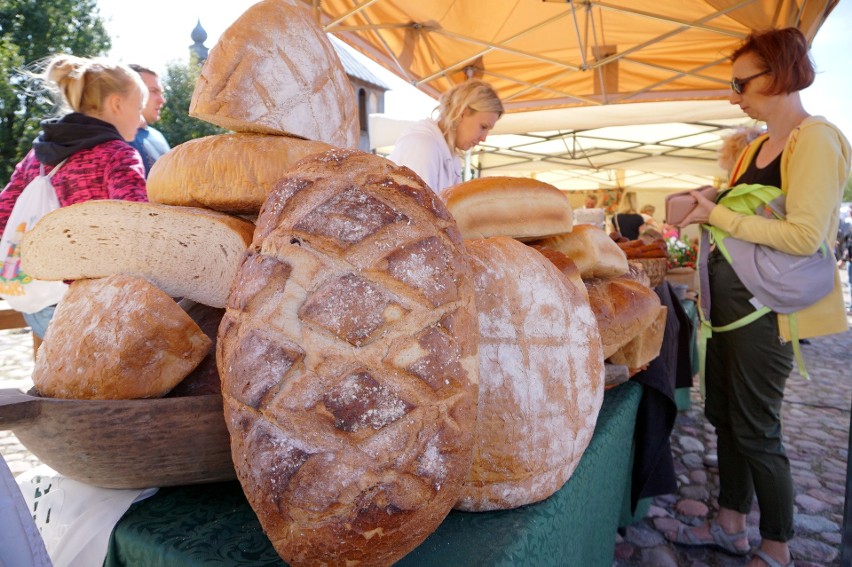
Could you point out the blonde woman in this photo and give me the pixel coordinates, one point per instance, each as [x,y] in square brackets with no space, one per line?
[627,220]
[432,148]
[101,103]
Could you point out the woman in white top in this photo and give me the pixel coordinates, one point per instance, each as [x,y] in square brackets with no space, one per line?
[432,148]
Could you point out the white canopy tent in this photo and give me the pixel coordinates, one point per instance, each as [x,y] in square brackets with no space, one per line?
[671,145]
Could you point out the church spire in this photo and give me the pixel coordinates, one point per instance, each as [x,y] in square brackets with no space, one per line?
[198,36]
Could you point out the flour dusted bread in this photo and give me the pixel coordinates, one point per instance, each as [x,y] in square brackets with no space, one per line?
[274,71]
[623,308]
[348,362]
[226,172]
[517,207]
[567,266]
[185,251]
[117,338]
[541,377]
[594,252]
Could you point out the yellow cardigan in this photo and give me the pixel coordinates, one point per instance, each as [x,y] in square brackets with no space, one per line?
[814,168]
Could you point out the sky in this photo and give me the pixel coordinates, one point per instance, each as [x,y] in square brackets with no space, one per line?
[156,32]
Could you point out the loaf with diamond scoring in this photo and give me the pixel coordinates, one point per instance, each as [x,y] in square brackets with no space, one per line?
[348,356]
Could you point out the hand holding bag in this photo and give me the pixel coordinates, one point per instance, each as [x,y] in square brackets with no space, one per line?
[680,204]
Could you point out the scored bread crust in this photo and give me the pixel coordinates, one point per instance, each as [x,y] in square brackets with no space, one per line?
[274,71]
[541,377]
[185,251]
[517,207]
[645,346]
[117,337]
[595,253]
[348,362]
[227,172]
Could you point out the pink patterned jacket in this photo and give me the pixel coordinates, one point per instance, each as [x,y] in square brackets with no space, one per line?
[111,170]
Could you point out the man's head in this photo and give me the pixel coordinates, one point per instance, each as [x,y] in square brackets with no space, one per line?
[156,100]
[591,201]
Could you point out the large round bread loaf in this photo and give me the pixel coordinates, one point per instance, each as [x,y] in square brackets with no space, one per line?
[348,362]
[541,377]
[274,71]
[518,207]
[117,338]
[185,251]
[227,172]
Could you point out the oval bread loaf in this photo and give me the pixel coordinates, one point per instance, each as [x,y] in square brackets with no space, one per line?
[185,251]
[623,308]
[227,172]
[274,71]
[348,362]
[117,338]
[518,207]
[541,377]
[594,252]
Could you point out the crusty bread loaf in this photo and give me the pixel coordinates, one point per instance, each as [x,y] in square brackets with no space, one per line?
[623,308]
[227,172]
[567,266]
[541,377]
[645,346]
[205,378]
[518,207]
[117,337]
[594,252]
[348,362]
[274,71]
[185,251]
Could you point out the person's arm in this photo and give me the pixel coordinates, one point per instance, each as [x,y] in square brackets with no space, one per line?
[418,152]
[124,177]
[817,171]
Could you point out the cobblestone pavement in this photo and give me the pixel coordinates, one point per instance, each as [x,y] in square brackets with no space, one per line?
[816,418]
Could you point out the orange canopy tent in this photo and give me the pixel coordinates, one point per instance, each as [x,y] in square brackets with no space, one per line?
[557,53]
[568,71]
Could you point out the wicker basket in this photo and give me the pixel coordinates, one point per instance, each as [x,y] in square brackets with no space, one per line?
[655,268]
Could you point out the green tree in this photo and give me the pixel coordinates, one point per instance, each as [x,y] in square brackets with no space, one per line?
[847,191]
[175,122]
[31,30]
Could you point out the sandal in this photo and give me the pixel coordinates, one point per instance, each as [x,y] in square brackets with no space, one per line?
[720,539]
[770,561]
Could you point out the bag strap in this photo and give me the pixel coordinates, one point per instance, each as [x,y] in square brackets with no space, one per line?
[52,171]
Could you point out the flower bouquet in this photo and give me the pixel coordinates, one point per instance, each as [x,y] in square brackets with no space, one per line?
[681,253]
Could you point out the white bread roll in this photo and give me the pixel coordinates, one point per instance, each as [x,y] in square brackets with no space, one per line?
[595,253]
[348,362]
[622,307]
[186,252]
[117,338]
[645,346]
[274,71]
[228,172]
[517,207]
[541,377]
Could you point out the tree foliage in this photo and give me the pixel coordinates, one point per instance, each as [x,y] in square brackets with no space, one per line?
[847,191]
[175,123]
[31,30]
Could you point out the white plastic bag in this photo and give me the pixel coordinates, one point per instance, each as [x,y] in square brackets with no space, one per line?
[20,291]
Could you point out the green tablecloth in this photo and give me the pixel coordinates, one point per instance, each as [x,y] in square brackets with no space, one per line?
[213,525]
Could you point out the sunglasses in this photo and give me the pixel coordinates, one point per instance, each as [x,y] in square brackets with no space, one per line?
[739,85]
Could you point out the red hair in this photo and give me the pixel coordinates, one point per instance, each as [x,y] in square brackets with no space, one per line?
[784,53]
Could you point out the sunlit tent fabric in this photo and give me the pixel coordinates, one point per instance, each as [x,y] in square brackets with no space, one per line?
[557,53]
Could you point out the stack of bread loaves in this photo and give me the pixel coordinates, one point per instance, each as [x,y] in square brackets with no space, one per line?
[118,333]
[630,318]
[274,78]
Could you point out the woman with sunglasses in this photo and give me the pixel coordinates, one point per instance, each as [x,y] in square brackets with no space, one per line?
[746,368]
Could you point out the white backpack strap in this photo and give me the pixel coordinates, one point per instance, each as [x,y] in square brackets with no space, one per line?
[54,170]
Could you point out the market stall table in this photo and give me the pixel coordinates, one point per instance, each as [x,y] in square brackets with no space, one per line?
[214,525]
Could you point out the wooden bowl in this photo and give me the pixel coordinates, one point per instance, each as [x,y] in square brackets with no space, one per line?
[124,443]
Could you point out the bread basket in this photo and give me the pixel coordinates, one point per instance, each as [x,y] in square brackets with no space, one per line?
[655,268]
[124,443]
